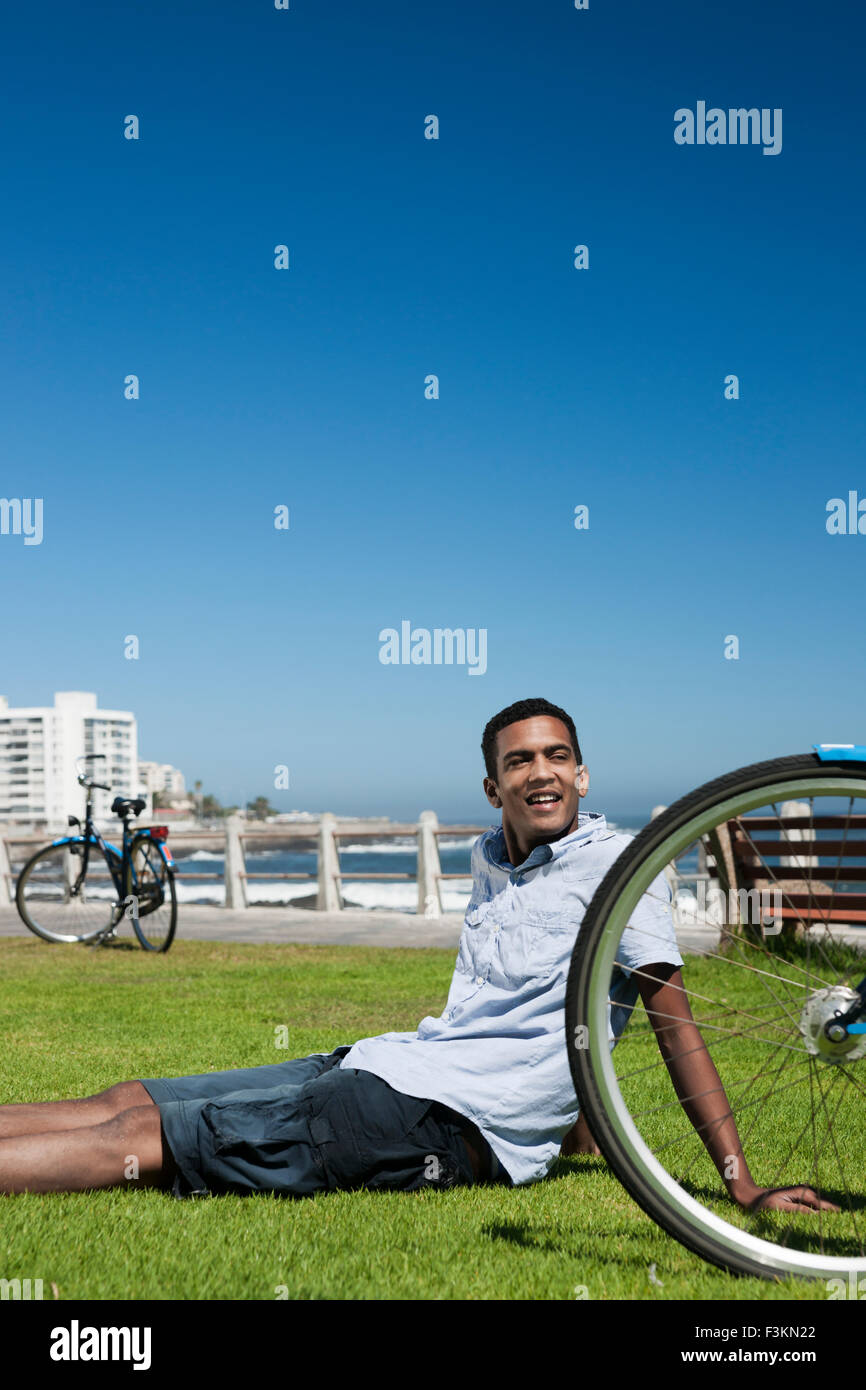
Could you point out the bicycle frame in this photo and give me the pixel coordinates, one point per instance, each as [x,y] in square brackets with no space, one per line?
[116,859]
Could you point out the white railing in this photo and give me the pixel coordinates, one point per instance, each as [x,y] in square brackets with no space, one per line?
[329,874]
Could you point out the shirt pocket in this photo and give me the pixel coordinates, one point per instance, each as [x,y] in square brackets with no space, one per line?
[473,954]
[535,945]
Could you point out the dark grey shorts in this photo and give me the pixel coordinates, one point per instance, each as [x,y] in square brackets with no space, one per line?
[306,1126]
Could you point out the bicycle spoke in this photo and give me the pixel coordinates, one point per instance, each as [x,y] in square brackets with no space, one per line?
[648,1033]
[642,974]
[693,1132]
[838,1156]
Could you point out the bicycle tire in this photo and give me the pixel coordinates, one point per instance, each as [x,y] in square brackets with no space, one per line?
[150,941]
[719,1242]
[58,853]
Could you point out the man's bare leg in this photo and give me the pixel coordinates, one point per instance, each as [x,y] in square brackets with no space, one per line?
[44,1116]
[125,1151]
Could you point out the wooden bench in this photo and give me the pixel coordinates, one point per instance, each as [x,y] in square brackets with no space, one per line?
[805,859]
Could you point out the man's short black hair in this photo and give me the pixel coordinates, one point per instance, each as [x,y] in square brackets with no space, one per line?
[523,709]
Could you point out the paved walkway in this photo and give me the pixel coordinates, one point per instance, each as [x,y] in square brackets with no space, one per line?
[349,928]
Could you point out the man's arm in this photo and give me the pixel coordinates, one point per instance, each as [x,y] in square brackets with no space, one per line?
[702,1095]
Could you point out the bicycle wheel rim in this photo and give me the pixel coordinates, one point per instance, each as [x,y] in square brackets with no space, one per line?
[594,1068]
[44,911]
[147,872]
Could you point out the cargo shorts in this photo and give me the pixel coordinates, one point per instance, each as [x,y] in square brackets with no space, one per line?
[304,1126]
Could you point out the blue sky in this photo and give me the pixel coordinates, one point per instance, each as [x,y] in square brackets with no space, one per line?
[558,387]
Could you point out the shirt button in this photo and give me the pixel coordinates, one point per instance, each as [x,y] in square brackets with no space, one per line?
[496,931]
[479,979]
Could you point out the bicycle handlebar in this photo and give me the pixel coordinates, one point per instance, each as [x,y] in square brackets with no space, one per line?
[84,782]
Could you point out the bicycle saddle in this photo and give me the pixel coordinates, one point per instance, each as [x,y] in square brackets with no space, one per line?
[122,806]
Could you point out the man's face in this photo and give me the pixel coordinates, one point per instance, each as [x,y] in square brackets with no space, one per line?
[536,781]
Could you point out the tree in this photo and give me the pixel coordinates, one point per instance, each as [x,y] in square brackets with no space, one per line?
[260,809]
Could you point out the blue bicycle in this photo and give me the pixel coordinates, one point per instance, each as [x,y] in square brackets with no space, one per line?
[80,887]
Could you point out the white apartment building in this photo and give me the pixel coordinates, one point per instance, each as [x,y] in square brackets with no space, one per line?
[38,750]
[160,777]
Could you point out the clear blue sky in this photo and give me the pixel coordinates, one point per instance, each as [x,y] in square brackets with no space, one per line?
[557,387]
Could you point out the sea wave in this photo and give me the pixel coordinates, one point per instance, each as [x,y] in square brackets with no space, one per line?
[403,897]
[369,897]
[386,847]
[204,893]
[406,846]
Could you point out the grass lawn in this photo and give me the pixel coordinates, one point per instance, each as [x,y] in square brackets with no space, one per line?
[75,1021]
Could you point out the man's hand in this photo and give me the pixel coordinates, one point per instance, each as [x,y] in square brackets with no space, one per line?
[782,1199]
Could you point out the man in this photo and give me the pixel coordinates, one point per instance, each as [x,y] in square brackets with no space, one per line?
[481,1094]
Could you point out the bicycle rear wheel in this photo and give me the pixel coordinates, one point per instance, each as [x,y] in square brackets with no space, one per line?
[53,904]
[759,991]
[150,882]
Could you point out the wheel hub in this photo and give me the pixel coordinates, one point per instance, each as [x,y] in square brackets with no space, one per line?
[818,1012]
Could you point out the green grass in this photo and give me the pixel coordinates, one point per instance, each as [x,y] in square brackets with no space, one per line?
[75,1021]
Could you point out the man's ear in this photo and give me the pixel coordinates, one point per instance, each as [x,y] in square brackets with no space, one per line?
[491,793]
[582,781]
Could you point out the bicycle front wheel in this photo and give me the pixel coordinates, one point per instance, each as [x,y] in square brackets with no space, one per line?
[777,853]
[150,883]
[54,904]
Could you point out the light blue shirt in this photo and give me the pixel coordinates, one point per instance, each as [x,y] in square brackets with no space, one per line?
[497,1053]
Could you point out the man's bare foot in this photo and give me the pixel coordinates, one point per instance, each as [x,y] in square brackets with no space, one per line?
[579,1140]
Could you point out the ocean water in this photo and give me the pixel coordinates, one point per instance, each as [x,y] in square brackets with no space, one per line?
[386,856]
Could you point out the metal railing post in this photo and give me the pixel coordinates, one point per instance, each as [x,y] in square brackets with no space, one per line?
[429,899]
[328,898]
[5,885]
[235,866]
[797,861]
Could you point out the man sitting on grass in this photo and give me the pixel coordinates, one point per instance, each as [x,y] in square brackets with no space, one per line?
[481,1094]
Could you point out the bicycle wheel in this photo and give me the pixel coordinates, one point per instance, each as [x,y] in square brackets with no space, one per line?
[760,993]
[150,882]
[53,904]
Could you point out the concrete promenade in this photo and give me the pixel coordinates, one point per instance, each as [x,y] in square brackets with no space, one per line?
[279,924]
[346,928]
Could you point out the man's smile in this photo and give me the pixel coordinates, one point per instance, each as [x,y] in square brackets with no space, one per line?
[543,799]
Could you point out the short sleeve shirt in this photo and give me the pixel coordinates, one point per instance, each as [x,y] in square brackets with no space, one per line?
[497,1052]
